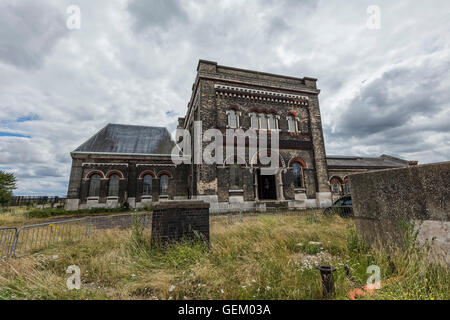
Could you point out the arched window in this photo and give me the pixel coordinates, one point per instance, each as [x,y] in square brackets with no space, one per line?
[147,185]
[335,187]
[233,119]
[235,177]
[298,177]
[347,187]
[94,185]
[164,184]
[272,122]
[113,188]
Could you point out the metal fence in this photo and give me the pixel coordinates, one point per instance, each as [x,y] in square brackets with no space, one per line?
[16,242]
[6,240]
[36,200]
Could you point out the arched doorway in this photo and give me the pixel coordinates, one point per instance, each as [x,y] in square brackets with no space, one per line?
[268,180]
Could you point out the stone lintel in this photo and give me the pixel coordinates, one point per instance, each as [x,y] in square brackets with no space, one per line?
[177,204]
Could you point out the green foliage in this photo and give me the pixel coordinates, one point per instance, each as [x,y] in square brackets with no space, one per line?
[138,239]
[51,212]
[312,248]
[7,185]
[408,234]
[355,244]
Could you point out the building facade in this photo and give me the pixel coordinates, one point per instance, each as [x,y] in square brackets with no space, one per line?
[123,163]
[132,164]
[340,167]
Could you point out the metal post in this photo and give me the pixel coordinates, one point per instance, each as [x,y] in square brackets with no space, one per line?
[12,253]
[326,272]
[88,227]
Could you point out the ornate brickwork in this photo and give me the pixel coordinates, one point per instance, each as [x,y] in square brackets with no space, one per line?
[285,105]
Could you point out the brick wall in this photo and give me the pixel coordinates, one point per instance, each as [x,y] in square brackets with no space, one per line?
[211,108]
[177,220]
[130,186]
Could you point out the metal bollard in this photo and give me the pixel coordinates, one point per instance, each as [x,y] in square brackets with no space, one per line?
[326,272]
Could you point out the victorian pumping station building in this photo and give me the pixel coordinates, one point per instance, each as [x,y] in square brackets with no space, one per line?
[133,164]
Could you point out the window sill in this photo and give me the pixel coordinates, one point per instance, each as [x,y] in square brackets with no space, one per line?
[146,197]
[112,198]
[93,198]
[163,196]
[300,190]
[236,191]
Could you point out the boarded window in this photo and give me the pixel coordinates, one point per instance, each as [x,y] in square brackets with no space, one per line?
[272,125]
[263,121]
[164,180]
[147,185]
[254,121]
[94,185]
[113,189]
[232,119]
[235,177]
[335,187]
[291,123]
[347,187]
[297,171]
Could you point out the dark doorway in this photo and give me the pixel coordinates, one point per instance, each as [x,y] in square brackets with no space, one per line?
[266,187]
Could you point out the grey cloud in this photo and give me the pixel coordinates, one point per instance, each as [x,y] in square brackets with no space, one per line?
[28,32]
[155,13]
[393,100]
[39,172]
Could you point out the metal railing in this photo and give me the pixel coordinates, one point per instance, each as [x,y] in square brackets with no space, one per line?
[16,242]
[51,201]
[6,240]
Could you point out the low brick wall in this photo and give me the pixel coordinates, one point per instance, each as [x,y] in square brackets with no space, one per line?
[383,200]
[176,220]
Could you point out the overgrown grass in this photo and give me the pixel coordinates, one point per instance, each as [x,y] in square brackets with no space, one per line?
[263,257]
[52,212]
[14,216]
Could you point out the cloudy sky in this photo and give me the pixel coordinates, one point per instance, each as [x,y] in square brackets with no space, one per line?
[384,90]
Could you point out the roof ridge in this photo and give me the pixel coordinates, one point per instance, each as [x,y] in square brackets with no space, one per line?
[134,125]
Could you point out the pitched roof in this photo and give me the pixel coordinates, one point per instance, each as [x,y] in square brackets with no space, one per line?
[129,139]
[383,161]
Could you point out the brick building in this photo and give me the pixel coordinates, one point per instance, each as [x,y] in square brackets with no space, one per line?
[132,163]
[339,167]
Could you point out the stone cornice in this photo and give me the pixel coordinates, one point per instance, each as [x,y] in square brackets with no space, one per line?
[263,95]
[285,87]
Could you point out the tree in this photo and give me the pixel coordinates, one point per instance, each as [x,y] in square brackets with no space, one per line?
[7,185]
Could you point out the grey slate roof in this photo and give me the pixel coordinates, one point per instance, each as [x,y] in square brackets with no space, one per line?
[383,161]
[129,139]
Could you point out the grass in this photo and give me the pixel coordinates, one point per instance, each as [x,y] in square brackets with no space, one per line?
[16,216]
[260,257]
